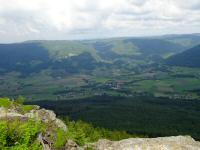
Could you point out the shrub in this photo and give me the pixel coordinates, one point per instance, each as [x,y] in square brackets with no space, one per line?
[20,135]
[60,138]
[83,133]
[20,100]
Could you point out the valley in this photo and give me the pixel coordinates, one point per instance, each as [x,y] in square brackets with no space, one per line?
[158,81]
[136,82]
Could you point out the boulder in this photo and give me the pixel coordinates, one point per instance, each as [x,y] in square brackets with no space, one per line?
[71,145]
[9,114]
[46,116]
[160,143]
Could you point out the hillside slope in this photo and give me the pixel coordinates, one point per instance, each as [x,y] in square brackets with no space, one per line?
[27,58]
[188,58]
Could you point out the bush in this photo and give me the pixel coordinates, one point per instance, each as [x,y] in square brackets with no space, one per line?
[60,138]
[20,135]
[83,133]
[20,100]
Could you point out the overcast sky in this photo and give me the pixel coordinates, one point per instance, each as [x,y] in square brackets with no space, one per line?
[82,19]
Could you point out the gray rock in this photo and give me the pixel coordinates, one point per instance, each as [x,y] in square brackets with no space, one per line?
[60,124]
[161,143]
[44,145]
[3,110]
[71,145]
[43,115]
[46,116]
[9,113]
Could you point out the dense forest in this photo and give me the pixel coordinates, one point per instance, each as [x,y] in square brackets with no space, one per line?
[145,116]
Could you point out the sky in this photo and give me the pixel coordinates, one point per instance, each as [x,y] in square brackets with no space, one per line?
[22,20]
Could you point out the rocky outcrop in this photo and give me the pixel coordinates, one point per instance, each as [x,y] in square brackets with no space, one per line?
[11,114]
[161,143]
[46,116]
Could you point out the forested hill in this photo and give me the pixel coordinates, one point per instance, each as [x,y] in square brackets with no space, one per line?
[84,56]
[188,58]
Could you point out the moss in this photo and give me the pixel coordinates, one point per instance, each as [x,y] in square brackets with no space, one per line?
[5,102]
[27,108]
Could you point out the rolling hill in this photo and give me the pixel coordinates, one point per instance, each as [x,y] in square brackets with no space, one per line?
[76,56]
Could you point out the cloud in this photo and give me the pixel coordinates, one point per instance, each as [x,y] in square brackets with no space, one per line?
[67,19]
